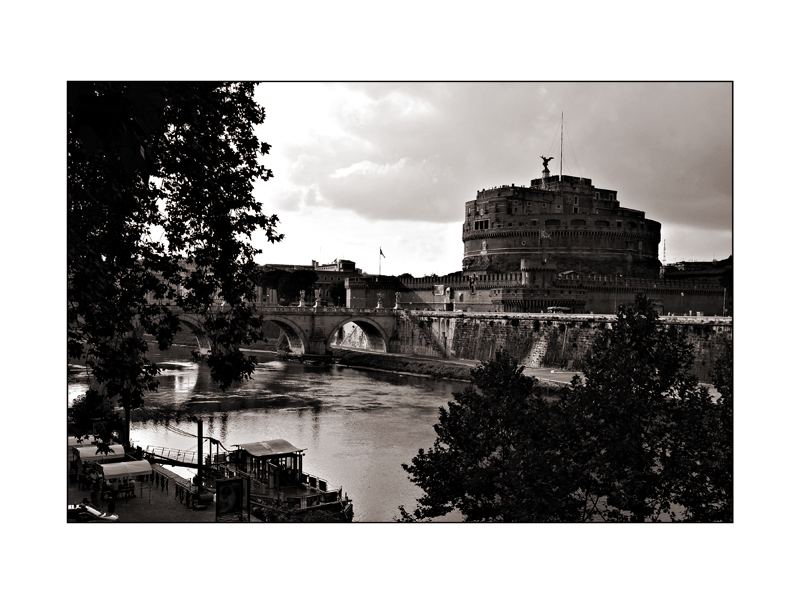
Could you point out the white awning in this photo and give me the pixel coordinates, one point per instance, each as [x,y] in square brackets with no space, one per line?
[270,448]
[127,469]
[90,453]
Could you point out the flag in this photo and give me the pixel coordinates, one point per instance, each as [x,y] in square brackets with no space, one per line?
[381,251]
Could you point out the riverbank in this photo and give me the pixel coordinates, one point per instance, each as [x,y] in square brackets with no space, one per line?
[436,368]
[551,381]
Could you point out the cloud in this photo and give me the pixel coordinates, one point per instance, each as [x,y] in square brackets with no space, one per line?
[415,152]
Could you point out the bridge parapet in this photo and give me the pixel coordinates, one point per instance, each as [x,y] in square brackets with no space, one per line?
[326,310]
[563,317]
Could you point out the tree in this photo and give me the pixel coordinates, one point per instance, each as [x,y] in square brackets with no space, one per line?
[638,411]
[637,438]
[496,445]
[706,492]
[160,208]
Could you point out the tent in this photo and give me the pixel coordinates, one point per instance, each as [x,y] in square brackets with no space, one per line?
[126,469]
[90,453]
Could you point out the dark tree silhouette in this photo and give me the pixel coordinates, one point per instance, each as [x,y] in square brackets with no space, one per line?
[496,445]
[639,412]
[636,439]
[160,207]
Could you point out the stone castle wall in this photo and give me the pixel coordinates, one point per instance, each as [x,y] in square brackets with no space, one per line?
[564,220]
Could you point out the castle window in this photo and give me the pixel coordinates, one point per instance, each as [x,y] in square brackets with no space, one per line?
[575,210]
[575,202]
[619,224]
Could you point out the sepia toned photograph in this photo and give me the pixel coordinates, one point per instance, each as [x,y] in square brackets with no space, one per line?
[399,302]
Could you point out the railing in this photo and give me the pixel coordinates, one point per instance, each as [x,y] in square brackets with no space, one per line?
[173,454]
[321,497]
[309,501]
[332,310]
[460,314]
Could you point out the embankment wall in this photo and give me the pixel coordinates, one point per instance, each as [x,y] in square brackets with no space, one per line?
[543,340]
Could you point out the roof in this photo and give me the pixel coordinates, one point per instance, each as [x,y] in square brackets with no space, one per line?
[127,468]
[270,448]
[90,453]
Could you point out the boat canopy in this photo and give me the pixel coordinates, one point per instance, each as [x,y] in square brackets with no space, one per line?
[126,469]
[90,453]
[270,448]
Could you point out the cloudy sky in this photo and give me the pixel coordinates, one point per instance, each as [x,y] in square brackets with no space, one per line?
[358,166]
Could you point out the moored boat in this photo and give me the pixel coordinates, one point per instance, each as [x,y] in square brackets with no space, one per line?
[279,487]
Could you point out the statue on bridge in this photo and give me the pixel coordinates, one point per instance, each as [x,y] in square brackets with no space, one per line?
[317,297]
[380,300]
[302,303]
[396,300]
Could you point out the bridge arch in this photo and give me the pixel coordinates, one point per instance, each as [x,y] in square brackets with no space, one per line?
[376,336]
[196,328]
[295,335]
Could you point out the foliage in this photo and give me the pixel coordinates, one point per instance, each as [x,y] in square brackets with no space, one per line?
[160,207]
[707,491]
[92,414]
[636,439]
[495,445]
[636,410]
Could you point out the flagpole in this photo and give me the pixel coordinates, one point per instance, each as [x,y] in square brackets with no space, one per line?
[379,261]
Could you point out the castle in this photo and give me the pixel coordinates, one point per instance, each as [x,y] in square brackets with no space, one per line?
[563,222]
[560,244]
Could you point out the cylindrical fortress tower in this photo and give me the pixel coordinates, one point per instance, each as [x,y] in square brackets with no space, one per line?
[563,223]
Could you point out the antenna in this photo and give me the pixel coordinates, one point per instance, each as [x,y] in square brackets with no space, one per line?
[561,157]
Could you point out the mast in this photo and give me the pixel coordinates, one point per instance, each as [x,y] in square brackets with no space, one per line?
[561,154]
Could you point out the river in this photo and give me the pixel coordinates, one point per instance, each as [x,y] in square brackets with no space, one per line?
[357,426]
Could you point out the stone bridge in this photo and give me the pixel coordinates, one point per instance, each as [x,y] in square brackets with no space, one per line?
[311,331]
[537,339]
